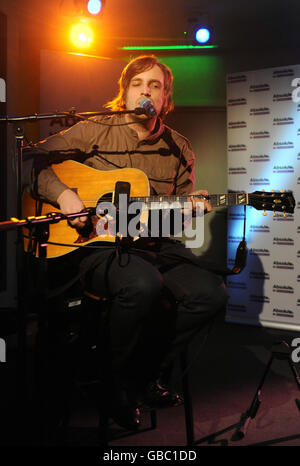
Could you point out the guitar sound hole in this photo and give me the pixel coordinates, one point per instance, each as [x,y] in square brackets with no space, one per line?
[106,198]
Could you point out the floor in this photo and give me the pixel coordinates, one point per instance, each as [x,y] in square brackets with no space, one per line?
[224,375]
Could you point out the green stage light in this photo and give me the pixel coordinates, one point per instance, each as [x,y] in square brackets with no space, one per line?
[167,47]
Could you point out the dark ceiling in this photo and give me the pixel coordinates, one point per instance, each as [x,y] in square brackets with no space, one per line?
[238,24]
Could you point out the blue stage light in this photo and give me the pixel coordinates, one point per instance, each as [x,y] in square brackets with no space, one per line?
[94,7]
[202,35]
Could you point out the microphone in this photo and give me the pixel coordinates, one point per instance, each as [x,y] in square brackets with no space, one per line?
[146,107]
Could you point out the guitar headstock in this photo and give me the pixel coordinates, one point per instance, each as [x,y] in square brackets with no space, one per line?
[275,201]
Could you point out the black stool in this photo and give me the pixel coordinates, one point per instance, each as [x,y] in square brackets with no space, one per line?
[92,320]
[95,316]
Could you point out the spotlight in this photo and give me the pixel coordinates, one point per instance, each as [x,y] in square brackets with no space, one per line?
[81,35]
[202,35]
[94,6]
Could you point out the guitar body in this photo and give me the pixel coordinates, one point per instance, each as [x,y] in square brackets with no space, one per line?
[90,185]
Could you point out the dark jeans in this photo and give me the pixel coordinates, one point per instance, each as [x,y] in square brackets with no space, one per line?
[146,328]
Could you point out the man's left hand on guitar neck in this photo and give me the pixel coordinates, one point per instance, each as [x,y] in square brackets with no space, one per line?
[201,192]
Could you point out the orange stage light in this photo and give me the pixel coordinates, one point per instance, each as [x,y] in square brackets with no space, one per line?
[81,35]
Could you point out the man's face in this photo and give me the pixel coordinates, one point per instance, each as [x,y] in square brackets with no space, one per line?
[150,84]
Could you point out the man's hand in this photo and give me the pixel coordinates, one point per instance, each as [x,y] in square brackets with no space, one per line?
[202,192]
[70,203]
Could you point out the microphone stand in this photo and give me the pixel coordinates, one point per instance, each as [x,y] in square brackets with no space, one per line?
[22,299]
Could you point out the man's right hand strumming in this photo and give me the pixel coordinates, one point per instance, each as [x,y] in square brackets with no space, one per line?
[69,203]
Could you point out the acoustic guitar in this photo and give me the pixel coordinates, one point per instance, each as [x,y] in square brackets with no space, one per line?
[95,186]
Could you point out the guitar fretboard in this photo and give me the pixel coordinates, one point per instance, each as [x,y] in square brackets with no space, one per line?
[216,200]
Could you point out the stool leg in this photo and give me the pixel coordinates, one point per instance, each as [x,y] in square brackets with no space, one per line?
[104,377]
[103,419]
[153,418]
[188,409]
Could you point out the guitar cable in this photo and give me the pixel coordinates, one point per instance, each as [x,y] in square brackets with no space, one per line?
[241,252]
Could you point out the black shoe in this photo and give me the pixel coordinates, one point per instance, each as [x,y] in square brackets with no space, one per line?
[160,396]
[124,410]
[126,417]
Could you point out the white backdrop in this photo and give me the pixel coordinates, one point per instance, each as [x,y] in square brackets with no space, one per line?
[263,130]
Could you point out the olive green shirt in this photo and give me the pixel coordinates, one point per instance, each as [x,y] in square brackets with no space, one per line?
[165,156]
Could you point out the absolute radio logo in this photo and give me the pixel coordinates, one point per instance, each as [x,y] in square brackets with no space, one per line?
[259,229]
[283,121]
[237,285]
[283,145]
[295,94]
[259,87]
[237,307]
[279,217]
[234,239]
[283,241]
[283,313]
[257,298]
[259,134]
[260,111]
[259,181]
[283,169]
[236,147]
[234,102]
[254,275]
[236,216]
[283,289]
[282,73]
[259,252]
[283,265]
[237,124]
[237,79]
[259,158]
[287,96]
[237,170]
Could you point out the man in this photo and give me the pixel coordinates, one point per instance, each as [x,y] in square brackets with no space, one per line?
[144,337]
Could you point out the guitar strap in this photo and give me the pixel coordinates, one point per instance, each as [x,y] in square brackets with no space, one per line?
[167,137]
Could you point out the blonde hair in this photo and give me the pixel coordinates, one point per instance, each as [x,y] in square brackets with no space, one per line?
[136,66]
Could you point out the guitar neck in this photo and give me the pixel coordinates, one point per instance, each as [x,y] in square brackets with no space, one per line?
[216,200]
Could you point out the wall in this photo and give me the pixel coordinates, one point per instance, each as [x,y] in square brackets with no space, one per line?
[206,129]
